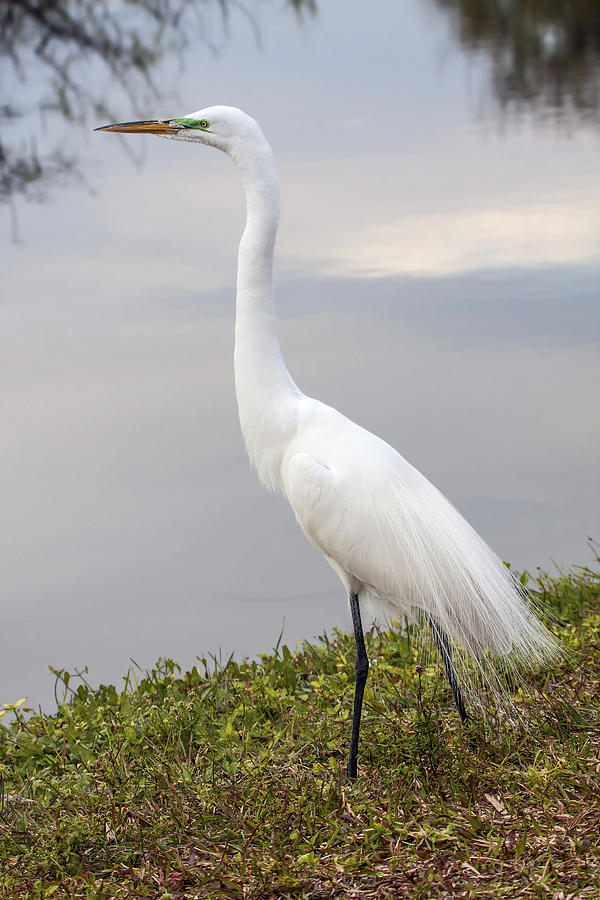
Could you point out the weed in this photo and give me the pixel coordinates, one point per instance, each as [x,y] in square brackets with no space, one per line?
[228,780]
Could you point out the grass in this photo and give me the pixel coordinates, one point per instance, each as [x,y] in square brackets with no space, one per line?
[228,781]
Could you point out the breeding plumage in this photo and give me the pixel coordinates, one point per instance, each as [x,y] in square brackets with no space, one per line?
[393,538]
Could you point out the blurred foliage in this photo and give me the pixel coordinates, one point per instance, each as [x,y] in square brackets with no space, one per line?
[64,57]
[545,54]
[61,59]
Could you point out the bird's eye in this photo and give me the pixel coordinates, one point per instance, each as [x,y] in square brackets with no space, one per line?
[204,123]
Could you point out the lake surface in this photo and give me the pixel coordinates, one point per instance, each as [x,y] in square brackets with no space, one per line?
[438,269]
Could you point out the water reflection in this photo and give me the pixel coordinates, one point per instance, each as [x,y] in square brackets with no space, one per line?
[544,54]
[56,56]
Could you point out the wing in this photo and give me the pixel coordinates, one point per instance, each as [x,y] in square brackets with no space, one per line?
[389,532]
[348,514]
[333,482]
[316,494]
[309,485]
[336,477]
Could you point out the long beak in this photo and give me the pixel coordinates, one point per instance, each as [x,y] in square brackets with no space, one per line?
[156,126]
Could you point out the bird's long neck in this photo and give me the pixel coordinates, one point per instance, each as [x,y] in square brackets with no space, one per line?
[266,394]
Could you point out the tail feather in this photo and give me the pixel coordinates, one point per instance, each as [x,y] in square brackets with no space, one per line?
[439,567]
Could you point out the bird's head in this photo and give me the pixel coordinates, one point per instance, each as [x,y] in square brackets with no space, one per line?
[225,127]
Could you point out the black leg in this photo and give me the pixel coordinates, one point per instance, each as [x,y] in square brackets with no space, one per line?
[361,668]
[441,642]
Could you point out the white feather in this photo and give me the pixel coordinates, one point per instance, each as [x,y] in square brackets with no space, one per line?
[398,543]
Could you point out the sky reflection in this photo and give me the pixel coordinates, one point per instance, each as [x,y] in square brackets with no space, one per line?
[438,281]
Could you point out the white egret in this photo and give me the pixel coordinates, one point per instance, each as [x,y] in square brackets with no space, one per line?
[392,538]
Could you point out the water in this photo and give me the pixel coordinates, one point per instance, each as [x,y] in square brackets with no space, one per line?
[438,274]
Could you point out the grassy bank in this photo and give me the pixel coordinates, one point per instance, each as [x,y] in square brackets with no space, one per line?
[227,781]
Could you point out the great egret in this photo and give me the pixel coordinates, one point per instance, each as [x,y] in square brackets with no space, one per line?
[392,538]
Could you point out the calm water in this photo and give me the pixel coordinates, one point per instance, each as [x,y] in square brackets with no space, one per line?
[438,270]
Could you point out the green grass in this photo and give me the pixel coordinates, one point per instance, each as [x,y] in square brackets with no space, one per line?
[228,781]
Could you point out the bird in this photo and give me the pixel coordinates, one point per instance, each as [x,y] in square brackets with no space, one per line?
[396,543]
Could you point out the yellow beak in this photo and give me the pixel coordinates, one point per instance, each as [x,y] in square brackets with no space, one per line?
[157,126]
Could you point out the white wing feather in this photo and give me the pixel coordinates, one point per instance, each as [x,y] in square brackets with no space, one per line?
[398,542]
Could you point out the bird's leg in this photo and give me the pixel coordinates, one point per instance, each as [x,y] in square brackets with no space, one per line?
[442,643]
[361,669]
